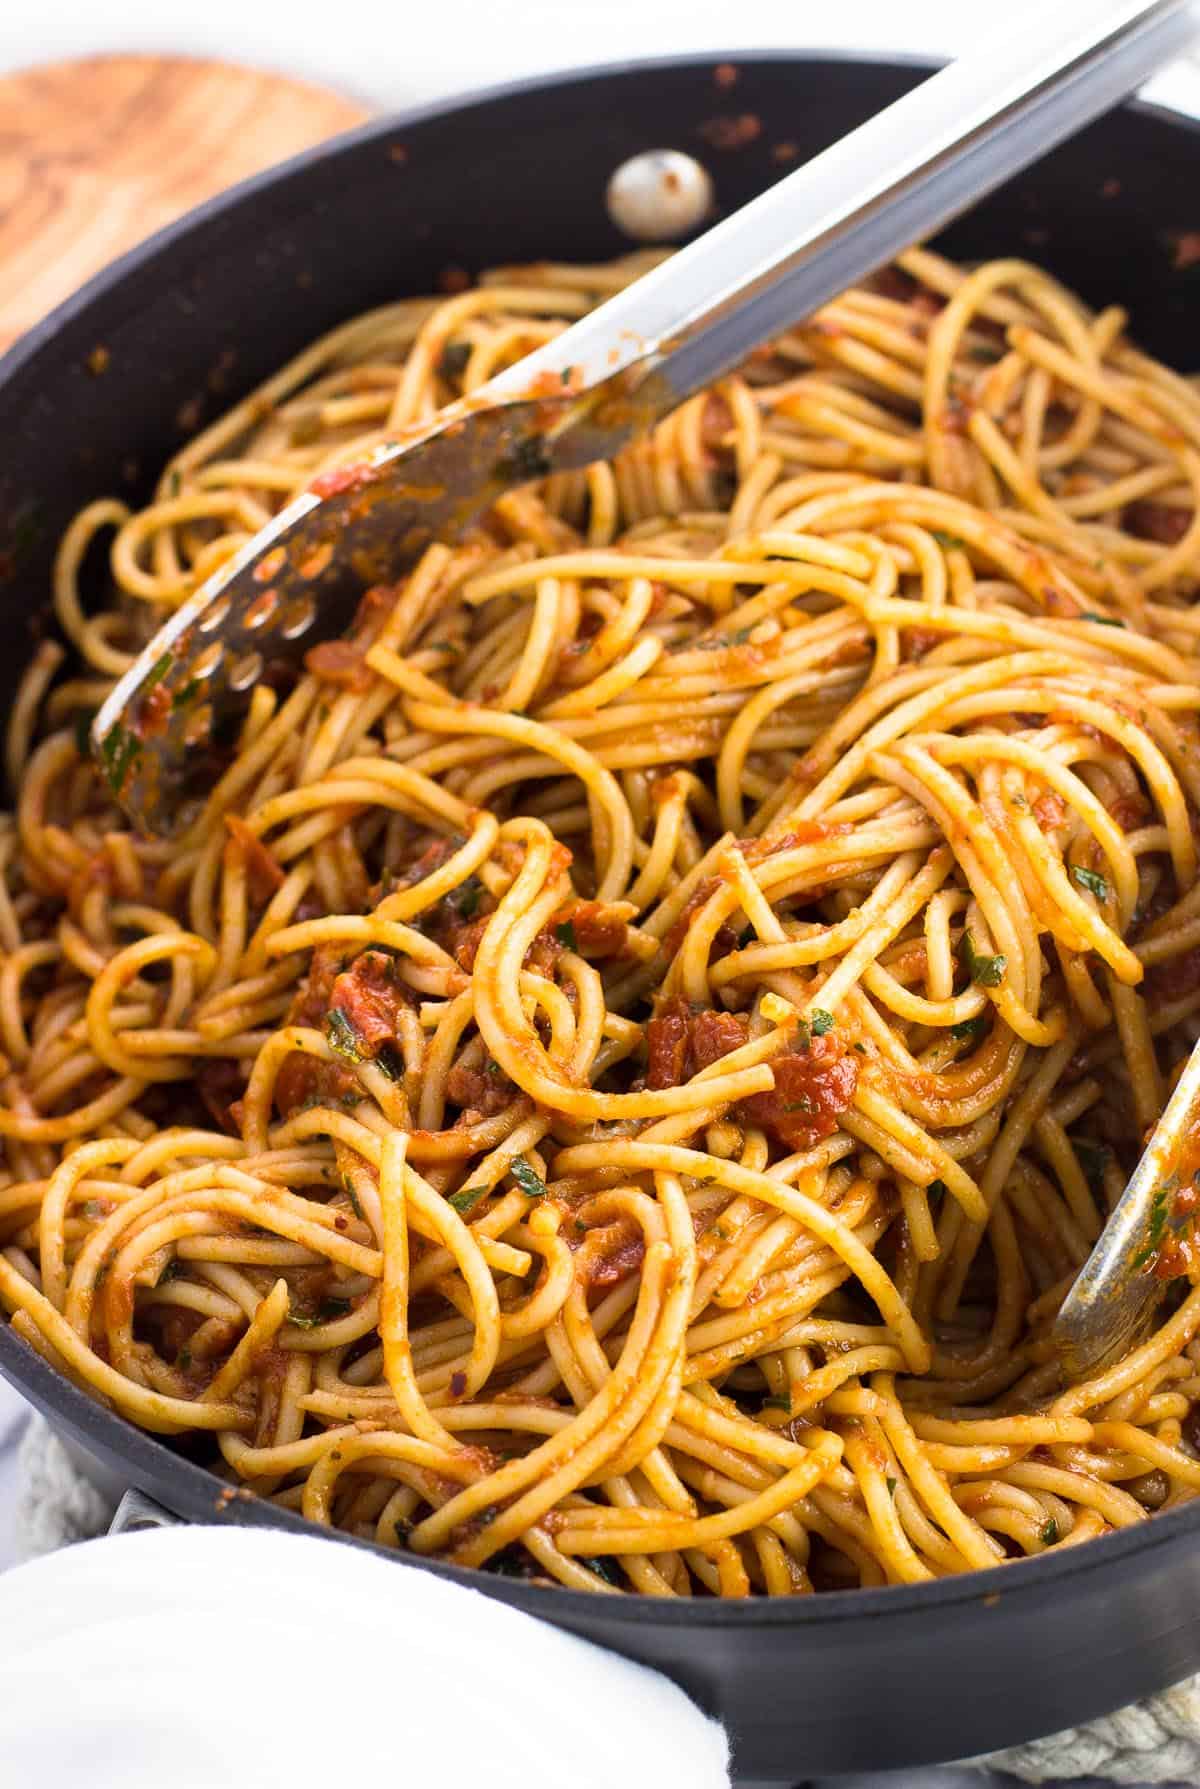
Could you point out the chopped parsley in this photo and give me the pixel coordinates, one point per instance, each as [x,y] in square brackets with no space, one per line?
[1049,1532]
[342,1038]
[937,1189]
[819,1021]
[390,1063]
[1159,1207]
[603,1568]
[1104,620]
[83,728]
[1093,1158]
[531,1184]
[565,933]
[721,642]
[326,1311]
[891,1484]
[464,900]
[120,751]
[777,1404]
[1090,880]
[949,542]
[466,1198]
[527,460]
[183,696]
[183,1359]
[348,1185]
[967,1029]
[158,671]
[984,971]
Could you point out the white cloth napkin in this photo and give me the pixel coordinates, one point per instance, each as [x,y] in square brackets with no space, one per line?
[198,1657]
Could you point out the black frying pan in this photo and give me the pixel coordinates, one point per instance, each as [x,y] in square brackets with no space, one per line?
[848,1680]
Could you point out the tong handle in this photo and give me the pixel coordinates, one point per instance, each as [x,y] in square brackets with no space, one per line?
[896,179]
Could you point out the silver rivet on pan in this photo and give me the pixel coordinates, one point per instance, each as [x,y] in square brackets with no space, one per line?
[660,195]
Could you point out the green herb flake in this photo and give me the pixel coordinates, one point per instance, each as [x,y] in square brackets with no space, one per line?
[722,642]
[984,971]
[891,1484]
[1089,879]
[603,1568]
[390,1063]
[158,671]
[937,1189]
[967,1029]
[303,1319]
[83,729]
[1048,1533]
[188,693]
[777,1404]
[331,1308]
[531,1184]
[341,1036]
[174,480]
[1103,620]
[986,352]
[467,1198]
[465,899]
[527,460]
[819,1021]
[949,543]
[348,1187]
[120,751]
[1093,1158]
[183,1359]
[565,933]
[1159,1207]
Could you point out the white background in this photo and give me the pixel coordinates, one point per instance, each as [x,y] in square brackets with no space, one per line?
[398,53]
[393,53]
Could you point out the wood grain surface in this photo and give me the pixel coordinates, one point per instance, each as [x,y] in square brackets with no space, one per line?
[96,154]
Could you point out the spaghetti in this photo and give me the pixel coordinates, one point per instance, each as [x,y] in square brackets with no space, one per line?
[618,1079]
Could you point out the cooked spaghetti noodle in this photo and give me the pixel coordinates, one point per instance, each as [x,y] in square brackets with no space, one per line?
[618,1079]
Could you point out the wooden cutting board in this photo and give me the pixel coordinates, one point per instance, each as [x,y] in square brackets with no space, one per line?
[97,154]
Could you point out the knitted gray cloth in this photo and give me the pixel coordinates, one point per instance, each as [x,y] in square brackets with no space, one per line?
[1157,1741]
